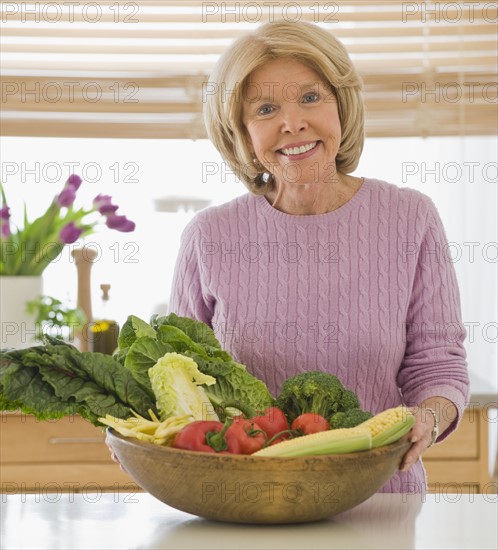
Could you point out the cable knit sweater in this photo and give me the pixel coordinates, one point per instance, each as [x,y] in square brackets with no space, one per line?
[365,292]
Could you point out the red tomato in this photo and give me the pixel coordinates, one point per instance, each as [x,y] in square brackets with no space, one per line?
[248,434]
[272,422]
[310,423]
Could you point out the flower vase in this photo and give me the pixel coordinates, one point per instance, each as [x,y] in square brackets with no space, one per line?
[18,328]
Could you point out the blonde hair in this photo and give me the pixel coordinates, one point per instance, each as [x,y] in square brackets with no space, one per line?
[223,93]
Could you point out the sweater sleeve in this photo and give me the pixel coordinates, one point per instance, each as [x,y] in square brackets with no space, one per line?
[434,363]
[188,296]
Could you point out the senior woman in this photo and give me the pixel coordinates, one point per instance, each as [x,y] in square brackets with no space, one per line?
[316,269]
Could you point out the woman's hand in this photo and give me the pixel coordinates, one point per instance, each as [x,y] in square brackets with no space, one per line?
[421,434]
[113,454]
[420,437]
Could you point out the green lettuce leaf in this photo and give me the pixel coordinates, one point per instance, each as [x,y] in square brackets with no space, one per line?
[234,385]
[178,385]
[133,329]
[178,340]
[142,355]
[198,332]
[200,336]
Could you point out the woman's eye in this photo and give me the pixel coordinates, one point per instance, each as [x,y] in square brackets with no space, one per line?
[311,97]
[265,110]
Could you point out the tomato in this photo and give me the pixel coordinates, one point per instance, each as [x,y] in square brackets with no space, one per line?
[208,436]
[310,423]
[273,421]
[249,435]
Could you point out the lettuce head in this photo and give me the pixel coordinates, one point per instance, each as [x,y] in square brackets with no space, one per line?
[176,382]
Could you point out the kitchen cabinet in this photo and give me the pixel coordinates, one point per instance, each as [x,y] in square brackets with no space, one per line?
[460,464]
[67,455]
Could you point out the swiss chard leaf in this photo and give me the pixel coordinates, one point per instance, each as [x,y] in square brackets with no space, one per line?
[55,380]
[22,388]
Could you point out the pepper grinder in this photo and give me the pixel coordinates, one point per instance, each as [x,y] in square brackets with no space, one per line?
[104,331]
[84,258]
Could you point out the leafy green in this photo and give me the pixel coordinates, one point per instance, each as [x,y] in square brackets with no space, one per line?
[55,379]
[22,388]
[142,355]
[51,381]
[176,381]
[133,329]
[195,330]
[234,384]
[175,337]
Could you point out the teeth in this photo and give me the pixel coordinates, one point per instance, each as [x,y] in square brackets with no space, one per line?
[299,150]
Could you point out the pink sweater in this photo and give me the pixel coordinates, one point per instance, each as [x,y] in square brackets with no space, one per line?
[366,292]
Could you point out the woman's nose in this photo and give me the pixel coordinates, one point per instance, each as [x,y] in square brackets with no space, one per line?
[293,120]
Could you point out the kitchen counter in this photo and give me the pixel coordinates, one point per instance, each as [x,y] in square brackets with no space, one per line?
[128,520]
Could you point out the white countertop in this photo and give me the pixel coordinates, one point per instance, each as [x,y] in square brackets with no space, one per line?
[122,520]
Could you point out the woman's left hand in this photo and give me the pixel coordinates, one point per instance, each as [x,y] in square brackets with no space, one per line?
[421,434]
[420,437]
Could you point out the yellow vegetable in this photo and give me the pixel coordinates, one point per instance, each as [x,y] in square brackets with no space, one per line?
[345,440]
[389,425]
[152,431]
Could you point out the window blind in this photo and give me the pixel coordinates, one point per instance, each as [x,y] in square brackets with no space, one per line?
[137,69]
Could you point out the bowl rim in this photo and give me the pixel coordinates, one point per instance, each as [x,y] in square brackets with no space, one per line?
[135,442]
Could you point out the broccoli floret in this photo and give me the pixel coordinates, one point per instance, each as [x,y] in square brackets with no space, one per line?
[349,400]
[349,419]
[314,391]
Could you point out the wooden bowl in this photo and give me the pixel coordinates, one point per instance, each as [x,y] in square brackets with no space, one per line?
[250,489]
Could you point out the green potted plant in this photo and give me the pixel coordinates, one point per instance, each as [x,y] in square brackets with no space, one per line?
[55,318]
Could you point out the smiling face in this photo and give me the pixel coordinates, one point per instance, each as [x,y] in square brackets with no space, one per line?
[292,122]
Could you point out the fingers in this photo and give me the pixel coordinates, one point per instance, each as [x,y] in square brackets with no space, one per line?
[420,437]
[113,455]
[115,458]
[411,457]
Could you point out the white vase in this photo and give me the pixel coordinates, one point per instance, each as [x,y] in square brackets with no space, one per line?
[17,327]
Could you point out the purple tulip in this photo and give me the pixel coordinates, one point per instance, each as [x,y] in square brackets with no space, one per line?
[74,181]
[70,233]
[5,212]
[104,205]
[120,223]
[4,222]
[4,229]
[66,197]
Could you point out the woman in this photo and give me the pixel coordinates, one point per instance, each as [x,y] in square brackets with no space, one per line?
[315,269]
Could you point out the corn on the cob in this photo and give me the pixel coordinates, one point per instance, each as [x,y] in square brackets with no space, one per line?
[345,440]
[389,425]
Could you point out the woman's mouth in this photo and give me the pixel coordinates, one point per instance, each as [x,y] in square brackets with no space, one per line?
[299,152]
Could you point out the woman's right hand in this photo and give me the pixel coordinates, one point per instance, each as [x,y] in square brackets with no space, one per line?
[113,454]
